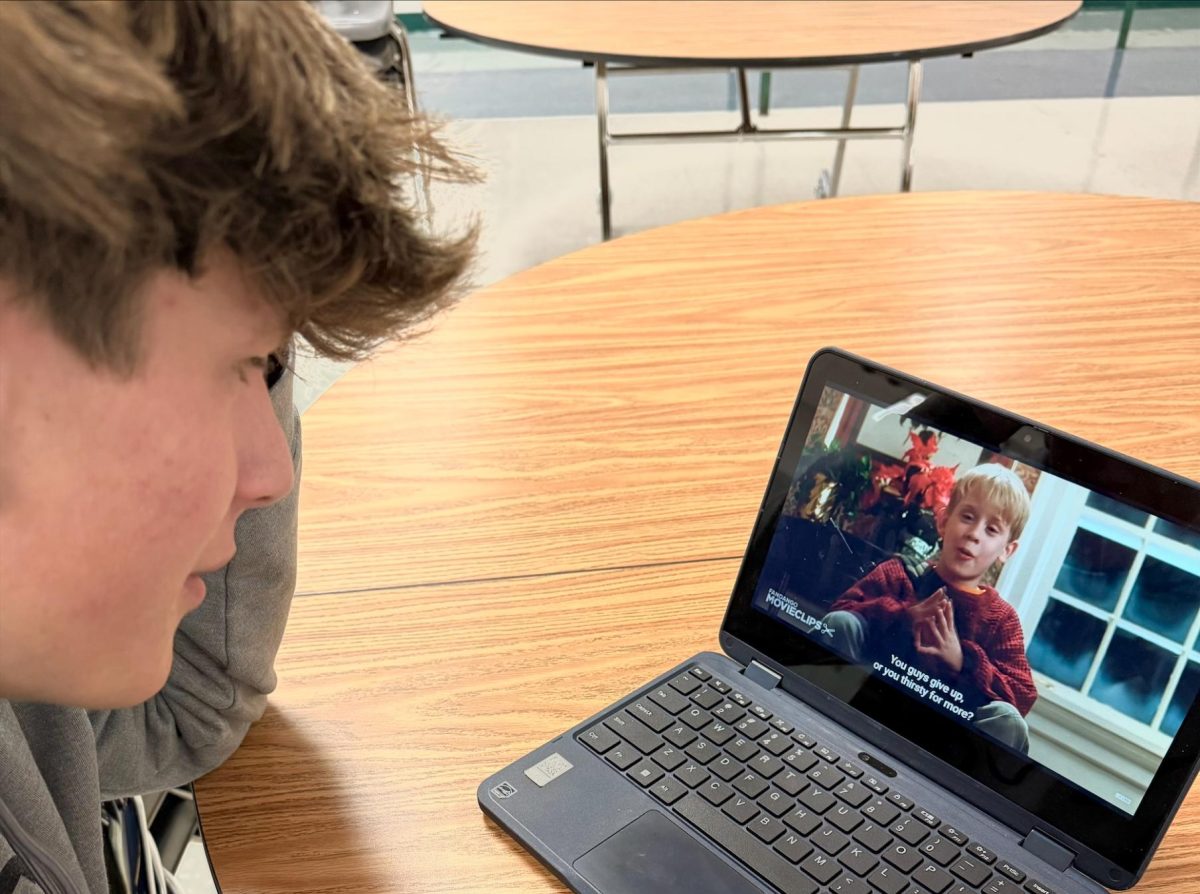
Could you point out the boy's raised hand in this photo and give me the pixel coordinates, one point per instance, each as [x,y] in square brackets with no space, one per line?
[934,633]
[922,611]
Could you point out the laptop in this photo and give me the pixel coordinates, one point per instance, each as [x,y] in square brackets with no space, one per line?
[907,703]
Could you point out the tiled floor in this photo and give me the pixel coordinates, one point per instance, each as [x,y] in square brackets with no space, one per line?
[1064,112]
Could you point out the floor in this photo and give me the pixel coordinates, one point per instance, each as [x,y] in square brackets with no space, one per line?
[1064,112]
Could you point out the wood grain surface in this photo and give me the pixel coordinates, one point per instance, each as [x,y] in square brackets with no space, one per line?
[780,33]
[392,707]
[622,405]
[551,490]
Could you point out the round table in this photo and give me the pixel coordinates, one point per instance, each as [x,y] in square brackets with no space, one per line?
[541,503]
[641,35]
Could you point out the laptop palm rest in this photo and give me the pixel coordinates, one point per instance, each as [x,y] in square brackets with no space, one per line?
[654,854]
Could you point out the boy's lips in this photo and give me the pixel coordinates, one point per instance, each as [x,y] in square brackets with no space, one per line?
[965,554]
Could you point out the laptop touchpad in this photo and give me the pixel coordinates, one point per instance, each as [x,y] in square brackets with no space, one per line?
[653,854]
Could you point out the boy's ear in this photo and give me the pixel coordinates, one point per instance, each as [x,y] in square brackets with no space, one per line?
[1008,551]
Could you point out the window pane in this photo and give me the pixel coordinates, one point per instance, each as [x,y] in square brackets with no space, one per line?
[1094,569]
[1178,532]
[1117,508]
[1132,676]
[1164,599]
[1064,643]
[1181,701]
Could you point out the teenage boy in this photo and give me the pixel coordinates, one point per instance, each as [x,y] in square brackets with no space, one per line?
[943,619]
[183,187]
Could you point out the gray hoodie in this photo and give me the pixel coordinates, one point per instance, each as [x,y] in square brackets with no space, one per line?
[57,764]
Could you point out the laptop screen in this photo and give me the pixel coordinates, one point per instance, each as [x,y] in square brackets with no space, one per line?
[957,558]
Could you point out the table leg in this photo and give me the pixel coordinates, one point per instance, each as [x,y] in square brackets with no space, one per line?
[910,122]
[847,110]
[744,100]
[602,128]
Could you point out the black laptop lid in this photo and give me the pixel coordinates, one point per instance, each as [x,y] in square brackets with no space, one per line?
[1103,585]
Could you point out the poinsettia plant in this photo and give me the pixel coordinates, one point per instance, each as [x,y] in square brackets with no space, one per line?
[916,481]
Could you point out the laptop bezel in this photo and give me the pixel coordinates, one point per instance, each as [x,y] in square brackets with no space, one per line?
[1111,847]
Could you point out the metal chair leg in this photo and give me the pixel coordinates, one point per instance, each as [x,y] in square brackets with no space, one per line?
[602,128]
[835,178]
[910,122]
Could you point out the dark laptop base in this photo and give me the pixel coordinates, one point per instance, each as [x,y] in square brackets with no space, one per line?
[572,819]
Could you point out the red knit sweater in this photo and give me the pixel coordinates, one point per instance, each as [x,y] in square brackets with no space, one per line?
[993,644]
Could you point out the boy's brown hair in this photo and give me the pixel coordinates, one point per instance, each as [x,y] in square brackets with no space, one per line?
[141,135]
[1000,487]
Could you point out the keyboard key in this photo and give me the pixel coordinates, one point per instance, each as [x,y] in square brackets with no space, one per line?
[793,847]
[815,799]
[669,757]
[875,838]
[742,748]
[851,769]
[1001,886]
[718,732]
[775,802]
[859,860]
[783,726]
[934,878]
[702,751]
[692,775]
[728,712]
[680,736]
[909,831]
[634,732]
[751,727]
[766,766]
[952,834]
[903,857]
[765,828]
[800,760]
[902,801]
[750,784]
[1006,868]
[848,884]
[715,792]
[981,853]
[888,880]
[845,818]
[708,697]
[821,867]
[726,767]
[881,811]
[761,713]
[875,784]
[776,743]
[766,862]
[853,793]
[645,773]
[971,871]
[599,738]
[1035,887]
[700,673]
[685,683]
[791,782]
[802,820]
[826,777]
[927,818]
[670,700]
[741,809]
[830,840]
[827,753]
[623,757]
[696,718]
[668,790]
[735,696]
[804,739]
[941,851]
[719,685]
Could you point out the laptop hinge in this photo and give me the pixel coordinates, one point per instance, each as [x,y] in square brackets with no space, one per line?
[762,675]
[1048,850]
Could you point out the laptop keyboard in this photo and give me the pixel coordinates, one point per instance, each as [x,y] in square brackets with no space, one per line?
[802,816]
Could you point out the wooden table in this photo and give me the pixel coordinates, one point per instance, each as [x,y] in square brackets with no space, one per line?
[550,491]
[640,35]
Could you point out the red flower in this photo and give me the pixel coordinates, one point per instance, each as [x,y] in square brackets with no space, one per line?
[924,446]
[931,488]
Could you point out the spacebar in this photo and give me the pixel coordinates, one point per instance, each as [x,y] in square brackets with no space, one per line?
[760,858]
